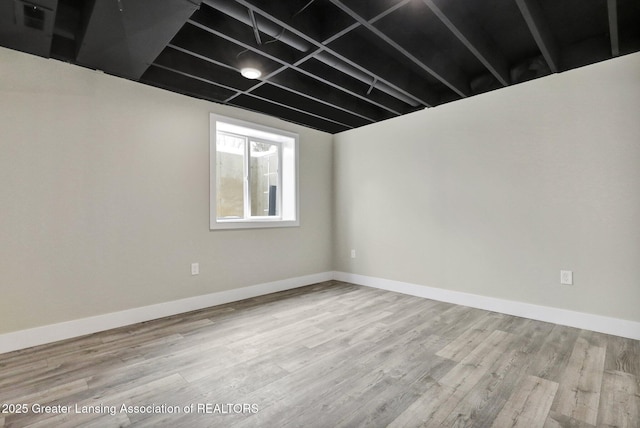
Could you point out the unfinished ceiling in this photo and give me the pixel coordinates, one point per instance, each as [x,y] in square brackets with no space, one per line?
[332,65]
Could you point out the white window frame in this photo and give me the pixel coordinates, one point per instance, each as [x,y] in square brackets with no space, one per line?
[287,195]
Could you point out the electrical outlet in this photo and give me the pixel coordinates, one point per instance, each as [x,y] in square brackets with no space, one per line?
[566,277]
[195,268]
[353,254]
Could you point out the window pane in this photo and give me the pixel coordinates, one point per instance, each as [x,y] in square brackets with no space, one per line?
[254,178]
[264,179]
[230,153]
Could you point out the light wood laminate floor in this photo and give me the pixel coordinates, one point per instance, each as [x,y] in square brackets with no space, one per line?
[329,355]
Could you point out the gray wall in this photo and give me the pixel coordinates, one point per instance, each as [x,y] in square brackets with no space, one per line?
[495,194]
[104,198]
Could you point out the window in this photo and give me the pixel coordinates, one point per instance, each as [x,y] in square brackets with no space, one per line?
[254,178]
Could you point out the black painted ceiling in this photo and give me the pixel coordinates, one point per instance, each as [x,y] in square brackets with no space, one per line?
[332,65]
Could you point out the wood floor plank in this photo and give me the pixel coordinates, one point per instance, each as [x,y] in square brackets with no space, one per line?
[100,421]
[341,329]
[419,312]
[133,391]
[528,406]
[58,375]
[400,360]
[333,354]
[486,399]
[622,355]
[432,408]
[470,339]
[241,380]
[552,359]
[294,393]
[386,399]
[620,400]
[9,371]
[478,361]
[371,379]
[579,393]
[557,420]
[45,396]
[336,381]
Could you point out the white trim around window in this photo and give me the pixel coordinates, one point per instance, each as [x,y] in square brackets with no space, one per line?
[235,211]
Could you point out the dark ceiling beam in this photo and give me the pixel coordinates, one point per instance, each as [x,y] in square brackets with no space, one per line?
[353,86]
[193,76]
[388,11]
[200,56]
[299,110]
[176,82]
[192,51]
[328,98]
[348,91]
[357,63]
[341,33]
[532,14]
[284,112]
[446,73]
[211,82]
[284,63]
[333,104]
[239,12]
[308,87]
[612,9]
[289,38]
[474,39]
[292,39]
[396,86]
[353,72]
[295,66]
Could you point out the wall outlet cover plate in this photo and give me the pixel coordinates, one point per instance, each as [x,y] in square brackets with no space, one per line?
[566,277]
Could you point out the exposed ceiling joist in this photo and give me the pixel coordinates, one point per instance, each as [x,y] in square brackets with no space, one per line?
[474,39]
[249,93]
[350,89]
[238,12]
[389,10]
[330,65]
[321,98]
[537,24]
[445,72]
[371,21]
[300,42]
[219,32]
[198,45]
[397,86]
[248,17]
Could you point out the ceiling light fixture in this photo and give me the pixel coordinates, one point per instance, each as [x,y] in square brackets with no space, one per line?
[250,72]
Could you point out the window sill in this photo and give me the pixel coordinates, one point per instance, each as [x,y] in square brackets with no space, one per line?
[252,224]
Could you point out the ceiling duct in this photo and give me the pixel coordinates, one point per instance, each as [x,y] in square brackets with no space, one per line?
[123,38]
[363,77]
[240,13]
[31,16]
[27,26]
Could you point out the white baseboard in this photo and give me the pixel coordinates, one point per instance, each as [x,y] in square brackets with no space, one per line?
[65,330]
[52,333]
[601,324]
